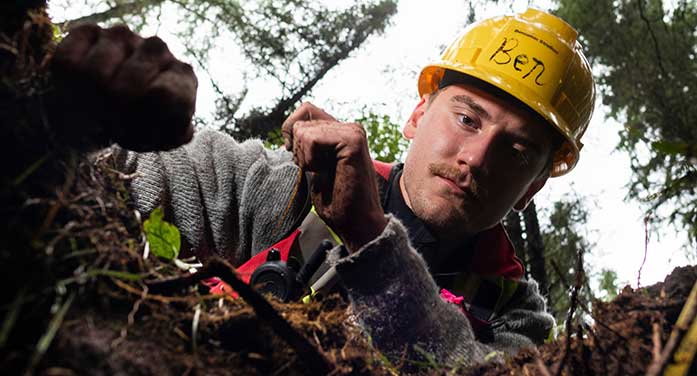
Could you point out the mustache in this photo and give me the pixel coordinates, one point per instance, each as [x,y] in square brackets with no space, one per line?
[452,173]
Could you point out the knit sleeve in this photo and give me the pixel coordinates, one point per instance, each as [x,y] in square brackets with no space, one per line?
[524,322]
[395,299]
[225,197]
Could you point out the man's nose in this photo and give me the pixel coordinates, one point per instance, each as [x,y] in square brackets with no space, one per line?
[477,150]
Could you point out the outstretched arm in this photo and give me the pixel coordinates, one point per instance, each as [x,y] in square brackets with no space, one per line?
[227,198]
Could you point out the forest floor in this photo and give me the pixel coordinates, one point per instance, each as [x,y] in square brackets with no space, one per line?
[93,313]
[80,299]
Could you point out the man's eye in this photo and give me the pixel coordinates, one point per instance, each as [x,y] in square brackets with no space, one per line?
[466,120]
[521,156]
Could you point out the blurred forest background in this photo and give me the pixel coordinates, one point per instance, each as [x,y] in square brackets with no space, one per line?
[642,52]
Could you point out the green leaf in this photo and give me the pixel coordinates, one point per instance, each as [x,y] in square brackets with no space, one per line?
[670,148]
[163,237]
[57,34]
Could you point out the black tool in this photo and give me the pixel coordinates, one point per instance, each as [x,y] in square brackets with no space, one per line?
[311,266]
[282,279]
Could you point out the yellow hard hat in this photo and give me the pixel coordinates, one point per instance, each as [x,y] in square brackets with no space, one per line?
[533,56]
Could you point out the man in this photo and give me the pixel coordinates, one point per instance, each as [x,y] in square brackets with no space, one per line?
[503,111]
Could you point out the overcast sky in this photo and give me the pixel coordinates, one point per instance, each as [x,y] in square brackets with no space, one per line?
[382,76]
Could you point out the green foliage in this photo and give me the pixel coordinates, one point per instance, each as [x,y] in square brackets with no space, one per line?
[163,237]
[608,284]
[563,239]
[643,52]
[385,138]
[672,148]
[274,139]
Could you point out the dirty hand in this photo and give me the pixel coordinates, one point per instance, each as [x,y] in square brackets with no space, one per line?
[133,88]
[343,187]
[306,111]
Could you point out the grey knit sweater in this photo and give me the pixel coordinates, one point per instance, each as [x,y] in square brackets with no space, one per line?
[226,198]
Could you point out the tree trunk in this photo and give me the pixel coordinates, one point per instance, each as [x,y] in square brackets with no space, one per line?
[118,10]
[260,125]
[535,248]
[515,233]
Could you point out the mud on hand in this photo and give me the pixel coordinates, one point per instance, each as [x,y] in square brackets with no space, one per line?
[343,187]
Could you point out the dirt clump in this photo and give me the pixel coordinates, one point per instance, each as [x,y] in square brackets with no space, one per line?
[620,340]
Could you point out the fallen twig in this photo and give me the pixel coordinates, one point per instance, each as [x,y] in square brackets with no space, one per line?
[131,319]
[158,298]
[542,367]
[646,249]
[316,362]
[194,328]
[656,339]
[59,201]
[572,310]
[583,307]
[687,317]
[598,344]
[583,352]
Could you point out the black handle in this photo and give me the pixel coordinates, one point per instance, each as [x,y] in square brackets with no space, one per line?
[311,266]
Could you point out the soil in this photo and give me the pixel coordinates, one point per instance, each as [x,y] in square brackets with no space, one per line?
[619,342]
[77,300]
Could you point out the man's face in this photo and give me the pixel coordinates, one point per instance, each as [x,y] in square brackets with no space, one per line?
[473,156]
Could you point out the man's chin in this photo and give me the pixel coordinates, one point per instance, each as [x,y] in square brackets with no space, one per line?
[445,219]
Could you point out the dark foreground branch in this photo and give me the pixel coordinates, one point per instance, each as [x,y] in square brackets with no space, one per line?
[316,362]
[684,324]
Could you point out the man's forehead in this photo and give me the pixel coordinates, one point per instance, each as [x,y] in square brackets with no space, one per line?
[488,105]
[485,104]
[468,101]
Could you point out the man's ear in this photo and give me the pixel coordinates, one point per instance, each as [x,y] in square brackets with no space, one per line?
[534,187]
[416,114]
